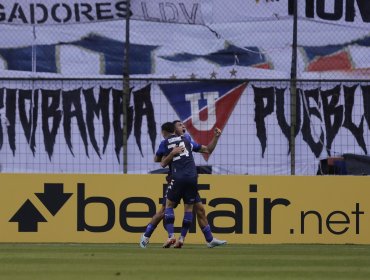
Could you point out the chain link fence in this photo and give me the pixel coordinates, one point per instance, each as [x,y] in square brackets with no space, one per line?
[65,108]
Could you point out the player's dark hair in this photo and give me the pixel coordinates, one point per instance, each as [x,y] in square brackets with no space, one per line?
[168,127]
[176,121]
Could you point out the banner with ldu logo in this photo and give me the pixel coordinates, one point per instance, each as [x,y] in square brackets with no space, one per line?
[77,126]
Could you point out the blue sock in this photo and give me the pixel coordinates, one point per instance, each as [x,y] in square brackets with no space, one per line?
[169,219]
[207,233]
[149,230]
[186,223]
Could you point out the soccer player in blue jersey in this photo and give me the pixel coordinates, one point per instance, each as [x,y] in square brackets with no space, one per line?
[178,155]
[198,206]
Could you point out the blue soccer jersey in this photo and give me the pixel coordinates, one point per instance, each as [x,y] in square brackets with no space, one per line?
[183,164]
[161,150]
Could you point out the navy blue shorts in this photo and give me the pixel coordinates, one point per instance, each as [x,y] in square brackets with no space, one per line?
[197,198]
[185,189]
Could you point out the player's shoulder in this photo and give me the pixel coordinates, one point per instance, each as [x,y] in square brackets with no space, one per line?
[174,138]
[187,137]
[161,148]
[163,142]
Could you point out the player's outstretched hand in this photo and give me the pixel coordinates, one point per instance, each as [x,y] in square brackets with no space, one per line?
[217,132]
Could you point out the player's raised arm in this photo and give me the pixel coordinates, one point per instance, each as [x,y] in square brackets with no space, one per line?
[212,145]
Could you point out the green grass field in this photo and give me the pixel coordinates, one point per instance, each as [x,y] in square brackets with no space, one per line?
[128,261]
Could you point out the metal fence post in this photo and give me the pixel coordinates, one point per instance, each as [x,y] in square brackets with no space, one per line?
[126,87]
[293,90]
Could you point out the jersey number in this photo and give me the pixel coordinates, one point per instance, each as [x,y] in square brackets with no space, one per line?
[184,153]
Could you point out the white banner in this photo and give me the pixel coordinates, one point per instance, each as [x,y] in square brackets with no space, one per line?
[61,12]
[77,11]
[170,11]
[352,13]
[250,50]
[219,11]
[349,12]
[339,12]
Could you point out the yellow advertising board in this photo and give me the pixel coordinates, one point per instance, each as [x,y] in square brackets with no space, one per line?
[240,209]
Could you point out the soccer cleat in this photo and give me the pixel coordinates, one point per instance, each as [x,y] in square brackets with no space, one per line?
[179,243]
[215,242]
[169,243]
[144,241]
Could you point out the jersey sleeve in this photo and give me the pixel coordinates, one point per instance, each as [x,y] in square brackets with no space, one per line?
[188,137]
[161,149]
[192,142]
[196,146]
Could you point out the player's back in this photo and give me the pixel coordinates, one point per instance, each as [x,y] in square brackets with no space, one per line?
[183,164]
